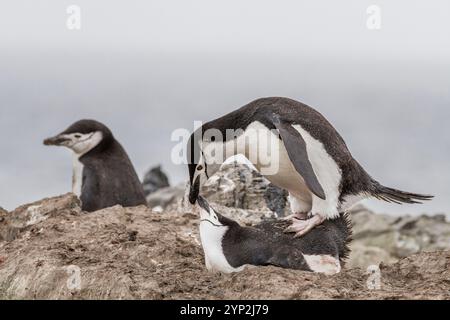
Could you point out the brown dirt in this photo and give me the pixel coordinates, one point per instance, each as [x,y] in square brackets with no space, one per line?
[133,253]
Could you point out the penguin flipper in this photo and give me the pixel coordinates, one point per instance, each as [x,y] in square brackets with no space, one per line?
[298,154]
[288,258]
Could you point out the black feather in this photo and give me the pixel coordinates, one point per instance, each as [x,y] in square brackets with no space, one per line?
[396,196]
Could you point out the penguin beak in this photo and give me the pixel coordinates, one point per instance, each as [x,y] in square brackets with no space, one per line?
[203,203]
[194,191]
[55,141]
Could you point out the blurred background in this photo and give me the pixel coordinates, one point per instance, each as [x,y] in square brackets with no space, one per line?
[145,68]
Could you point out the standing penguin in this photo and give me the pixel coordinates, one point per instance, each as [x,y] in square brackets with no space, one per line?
[103,175]
[310,158]
[228,247]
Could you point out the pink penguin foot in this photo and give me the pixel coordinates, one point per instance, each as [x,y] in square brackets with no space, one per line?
[296,216]
[302,227]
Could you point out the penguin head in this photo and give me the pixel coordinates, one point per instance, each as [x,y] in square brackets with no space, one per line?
[198,175]
[200,167]
[211,217]
[82,136]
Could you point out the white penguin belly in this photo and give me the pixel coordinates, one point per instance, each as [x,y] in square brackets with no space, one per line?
[272,160]
[288,178]
[77,176]
[328,173]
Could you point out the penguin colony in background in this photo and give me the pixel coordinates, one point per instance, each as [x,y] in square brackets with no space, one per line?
[229,247]
[103,175]
[314,164]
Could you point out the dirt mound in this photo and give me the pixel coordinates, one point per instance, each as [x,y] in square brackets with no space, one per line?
[52,250]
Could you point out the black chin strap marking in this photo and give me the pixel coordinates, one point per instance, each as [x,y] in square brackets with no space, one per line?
[215,225]
[206,166]
[88,138]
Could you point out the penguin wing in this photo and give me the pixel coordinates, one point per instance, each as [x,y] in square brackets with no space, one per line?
[296,149]
[288,257]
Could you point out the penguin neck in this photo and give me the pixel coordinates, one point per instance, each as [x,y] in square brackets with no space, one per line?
[78,161]
[77,175]
[211,237]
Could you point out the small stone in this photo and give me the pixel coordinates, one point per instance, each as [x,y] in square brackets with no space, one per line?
[132,235]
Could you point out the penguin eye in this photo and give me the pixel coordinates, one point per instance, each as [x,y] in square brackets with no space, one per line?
[213,138]
[78,136]
[200,168]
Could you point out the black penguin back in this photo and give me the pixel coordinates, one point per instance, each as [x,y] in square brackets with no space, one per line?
[268,244]
[109,178]
[332,237]
[271,109]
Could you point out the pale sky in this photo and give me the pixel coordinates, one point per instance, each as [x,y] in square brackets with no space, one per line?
[409,28]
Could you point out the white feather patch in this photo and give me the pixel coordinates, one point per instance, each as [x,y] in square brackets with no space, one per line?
[328,173]
[77,175]
[81,146]
[211,237]
[323,263]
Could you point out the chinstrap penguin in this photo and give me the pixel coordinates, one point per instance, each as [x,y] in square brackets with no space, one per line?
[229,247]
[311,159]
[103,175]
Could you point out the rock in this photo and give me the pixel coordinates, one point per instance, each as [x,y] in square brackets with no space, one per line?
[3,214]
[379,237]
[154,180]
[238,186]
[367,224]
[165,197]
[363,256]
[133,253]
[25,217]
[422,233]
[276,199]
[3,217]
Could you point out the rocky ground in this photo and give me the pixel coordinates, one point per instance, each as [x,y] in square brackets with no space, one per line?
[52,250]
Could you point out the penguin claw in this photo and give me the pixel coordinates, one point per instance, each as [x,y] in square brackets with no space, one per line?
[289,229]
[302,227]
[295,216]
[297,226]
[301,233]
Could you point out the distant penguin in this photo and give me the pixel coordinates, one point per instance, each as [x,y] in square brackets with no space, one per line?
[103,175]
[311,159]
[229,247]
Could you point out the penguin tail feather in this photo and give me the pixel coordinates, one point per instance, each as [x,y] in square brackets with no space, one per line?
[397,196]
[345,250]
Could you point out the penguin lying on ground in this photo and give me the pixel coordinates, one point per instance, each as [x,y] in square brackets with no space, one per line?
[306,156]
[103,175]
[228,247]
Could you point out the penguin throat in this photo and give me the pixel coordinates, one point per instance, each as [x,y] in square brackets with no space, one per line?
[215,225]
[77,176]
